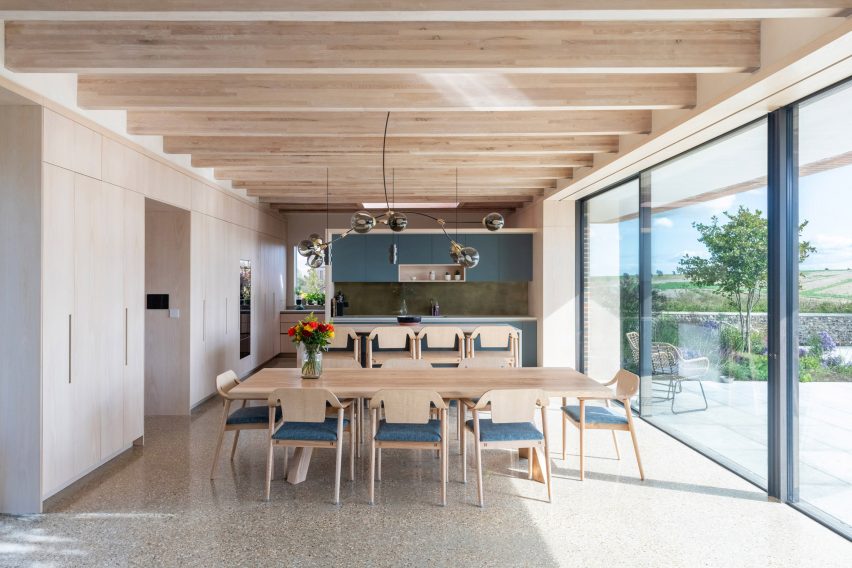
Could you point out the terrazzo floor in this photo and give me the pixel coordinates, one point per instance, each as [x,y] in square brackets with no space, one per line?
[156,506]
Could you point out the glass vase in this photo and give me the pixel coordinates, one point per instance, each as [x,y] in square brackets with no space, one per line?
[311,358]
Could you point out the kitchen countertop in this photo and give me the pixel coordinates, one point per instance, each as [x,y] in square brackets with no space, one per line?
[430,319]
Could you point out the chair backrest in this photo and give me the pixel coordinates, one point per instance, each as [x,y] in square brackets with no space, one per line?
[407,406]
[483,363]
[626,384]
[494,336]
[341,337]
[341,363]
[406,364]
[633,340]
[512,405]
[225,382]
[303,404]
[392,337]
[442,336]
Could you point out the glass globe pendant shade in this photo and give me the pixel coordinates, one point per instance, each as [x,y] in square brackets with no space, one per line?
[455,251]
[362,222]
[306,248]
[397,222]
[469,257]
[493,221]
[315,260]
[315,238]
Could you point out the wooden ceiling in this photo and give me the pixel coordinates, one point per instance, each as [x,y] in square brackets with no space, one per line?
[506,96]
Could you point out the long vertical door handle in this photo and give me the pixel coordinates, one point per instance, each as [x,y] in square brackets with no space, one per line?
[69,348]
[125,336]
[203,320]
[226,315]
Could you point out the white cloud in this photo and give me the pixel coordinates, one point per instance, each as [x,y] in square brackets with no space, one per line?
[720,205]
[663,222]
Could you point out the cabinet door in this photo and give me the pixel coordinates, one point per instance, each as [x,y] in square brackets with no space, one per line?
[347,257]
[441,248]
[134,316]
[415,249]
[516,257]
[215,291]
[89,363]
[59,415]
[376,259]
[110,318]
[199,327]
[488,269]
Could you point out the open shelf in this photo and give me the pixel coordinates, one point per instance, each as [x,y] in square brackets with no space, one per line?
[420,272]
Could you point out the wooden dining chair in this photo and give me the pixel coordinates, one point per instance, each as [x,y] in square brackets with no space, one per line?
[587,417]
[480,363]
[358,404]
[444,344]
[338,349]
[304,424]
[496,342]
[407,424]
[512,426]
[243,418]
[392,343]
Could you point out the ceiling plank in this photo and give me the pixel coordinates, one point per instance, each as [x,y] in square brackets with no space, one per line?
[360,190]
[405,10]
[400,175]
[369,124]
[372,47]
[459,145]
[389,92]
[393,160]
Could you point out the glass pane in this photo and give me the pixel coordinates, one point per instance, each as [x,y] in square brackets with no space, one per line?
[709,278]
[825,304]
[309,285]
[611,280]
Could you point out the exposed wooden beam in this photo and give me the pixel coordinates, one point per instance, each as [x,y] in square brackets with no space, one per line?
[363,190]
[371,124]
[371,47]
[394,92]
[405,10]
[393,160]
[459,145]
[400,175]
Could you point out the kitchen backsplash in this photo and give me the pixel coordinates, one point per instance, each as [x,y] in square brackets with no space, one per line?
[454,298]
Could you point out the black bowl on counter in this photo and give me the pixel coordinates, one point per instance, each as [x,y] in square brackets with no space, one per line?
[408,320]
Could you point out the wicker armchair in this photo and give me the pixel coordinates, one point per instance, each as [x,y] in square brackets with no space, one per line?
[668,364]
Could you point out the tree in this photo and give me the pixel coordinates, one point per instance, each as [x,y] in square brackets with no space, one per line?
[738,261]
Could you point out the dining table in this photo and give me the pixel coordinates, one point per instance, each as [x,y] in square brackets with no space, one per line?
[449,382]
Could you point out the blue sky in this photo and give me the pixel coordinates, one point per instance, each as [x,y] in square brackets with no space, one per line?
[825,200]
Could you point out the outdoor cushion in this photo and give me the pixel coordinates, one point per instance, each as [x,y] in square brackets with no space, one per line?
[252,415]
[314,431]
[505,432]
[595,415]
[391,432]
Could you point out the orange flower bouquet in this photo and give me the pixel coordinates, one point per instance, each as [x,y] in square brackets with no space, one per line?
[312,337]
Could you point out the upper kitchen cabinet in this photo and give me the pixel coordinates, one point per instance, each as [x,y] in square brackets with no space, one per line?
[516,252]
[347,258]
[376,260]
[415,249]
[488,269]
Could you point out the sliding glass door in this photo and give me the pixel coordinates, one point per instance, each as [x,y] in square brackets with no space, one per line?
[825,304]
[611,281]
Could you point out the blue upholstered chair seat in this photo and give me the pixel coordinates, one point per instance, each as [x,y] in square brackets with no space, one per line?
[313,431]
[505,432]
[252,415]
[390,432]
[595,415]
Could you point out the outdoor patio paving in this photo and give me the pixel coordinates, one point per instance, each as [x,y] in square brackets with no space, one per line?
[734,427]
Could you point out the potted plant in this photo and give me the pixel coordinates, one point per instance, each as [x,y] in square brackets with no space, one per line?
[312,337]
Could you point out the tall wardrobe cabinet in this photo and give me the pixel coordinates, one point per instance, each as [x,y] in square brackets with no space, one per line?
[90,321]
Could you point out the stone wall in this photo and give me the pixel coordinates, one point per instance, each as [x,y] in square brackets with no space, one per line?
[839,326]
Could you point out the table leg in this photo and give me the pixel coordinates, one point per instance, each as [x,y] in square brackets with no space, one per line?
[538,473]
[298,470]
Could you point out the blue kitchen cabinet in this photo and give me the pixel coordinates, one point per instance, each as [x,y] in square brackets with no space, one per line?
[347,259]
[440,253]
[488,269]
[516,262]
[376,259]
[415,249]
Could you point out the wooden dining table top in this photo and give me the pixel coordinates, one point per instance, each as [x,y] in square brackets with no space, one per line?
[448,382]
